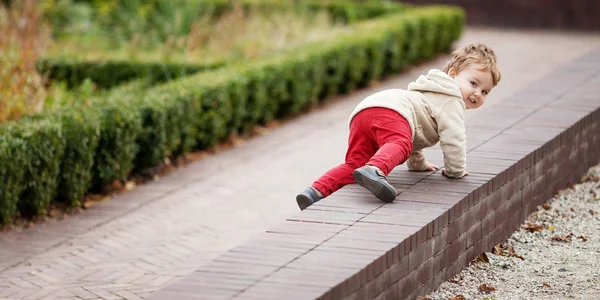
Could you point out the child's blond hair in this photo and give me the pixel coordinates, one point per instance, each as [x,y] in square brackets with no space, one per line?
[474,53]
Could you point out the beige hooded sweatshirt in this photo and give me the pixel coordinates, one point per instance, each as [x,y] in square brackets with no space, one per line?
[434,108]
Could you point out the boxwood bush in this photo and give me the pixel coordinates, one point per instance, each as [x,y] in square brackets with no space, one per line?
[43,153]
[107,73]
[81,129]
[120,127]
[13,160]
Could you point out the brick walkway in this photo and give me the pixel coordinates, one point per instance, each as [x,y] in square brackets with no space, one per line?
[136,243]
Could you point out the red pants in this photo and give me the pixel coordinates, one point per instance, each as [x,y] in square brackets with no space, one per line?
[379,137]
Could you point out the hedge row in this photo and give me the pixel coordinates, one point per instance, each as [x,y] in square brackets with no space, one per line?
[107,73]
[137,130]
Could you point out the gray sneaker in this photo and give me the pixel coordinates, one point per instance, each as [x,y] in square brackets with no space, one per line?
[375,181]
[307,198]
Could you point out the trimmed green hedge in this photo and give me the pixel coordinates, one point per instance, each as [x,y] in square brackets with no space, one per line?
[139,129]
[44,150]
[107,74]
[13,158]
[81,129]
[120,127]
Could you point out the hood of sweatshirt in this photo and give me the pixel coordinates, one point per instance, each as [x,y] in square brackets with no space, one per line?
[436,81]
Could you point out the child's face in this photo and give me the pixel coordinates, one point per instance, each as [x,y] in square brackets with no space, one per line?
[474,83]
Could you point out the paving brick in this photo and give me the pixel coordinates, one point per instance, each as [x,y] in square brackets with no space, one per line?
[82,293]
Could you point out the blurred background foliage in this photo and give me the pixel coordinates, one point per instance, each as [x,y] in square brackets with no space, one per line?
[137,30]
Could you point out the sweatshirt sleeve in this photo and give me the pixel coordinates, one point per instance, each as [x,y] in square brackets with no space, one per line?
[417,161]
[453,138]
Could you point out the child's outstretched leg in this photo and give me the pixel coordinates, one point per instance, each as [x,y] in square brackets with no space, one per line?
[394,138]
[361,147]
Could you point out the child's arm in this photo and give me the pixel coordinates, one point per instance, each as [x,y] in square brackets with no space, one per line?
[453,139]
[418,162]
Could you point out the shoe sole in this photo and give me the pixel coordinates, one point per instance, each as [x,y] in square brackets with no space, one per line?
[303,201]
[385,193]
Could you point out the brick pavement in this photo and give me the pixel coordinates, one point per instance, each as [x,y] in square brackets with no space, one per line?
[138,242]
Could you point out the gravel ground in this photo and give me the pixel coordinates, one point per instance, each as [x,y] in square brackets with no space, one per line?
[554,255]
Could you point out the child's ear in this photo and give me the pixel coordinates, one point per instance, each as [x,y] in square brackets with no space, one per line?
[452,72]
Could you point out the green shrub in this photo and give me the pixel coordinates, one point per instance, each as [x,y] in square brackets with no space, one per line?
[13,160]
[119,129]
[152,139]
[275,79]
[44,152]
[111,73]
[336,64]
[81,129]
[259,102]
[181,132]
[375,57]
[357,64]
[299,81]
[215,113]
[237,86]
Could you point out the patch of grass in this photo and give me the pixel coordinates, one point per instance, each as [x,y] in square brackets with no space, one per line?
[237,34]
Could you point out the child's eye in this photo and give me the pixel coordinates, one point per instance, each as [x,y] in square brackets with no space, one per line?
[473,83]
[485,92]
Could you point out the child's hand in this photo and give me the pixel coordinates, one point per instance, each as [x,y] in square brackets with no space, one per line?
[432,168]
[444,173]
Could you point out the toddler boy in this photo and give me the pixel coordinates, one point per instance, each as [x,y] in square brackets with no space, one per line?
[393,126]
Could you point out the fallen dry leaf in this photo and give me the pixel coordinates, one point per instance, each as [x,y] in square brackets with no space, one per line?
[505,250]
[426,297]
[583,238]
[572,209]
[547,285]
[546,206]
[517,256]
[592,212]
[498,249]
[532,227]
[562,239]
[486,288]
[590,178]
[458,297]
[482,258]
